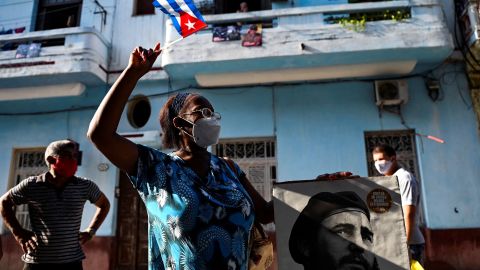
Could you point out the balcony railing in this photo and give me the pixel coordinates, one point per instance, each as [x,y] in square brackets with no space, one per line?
[304,40]
[71,54]
[316,11]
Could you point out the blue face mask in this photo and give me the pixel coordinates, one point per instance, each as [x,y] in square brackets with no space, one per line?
[383,166]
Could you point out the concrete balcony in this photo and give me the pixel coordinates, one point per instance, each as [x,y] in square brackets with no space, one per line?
[303,46]
[68,55]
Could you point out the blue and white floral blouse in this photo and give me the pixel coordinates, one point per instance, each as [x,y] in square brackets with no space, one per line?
[194,223]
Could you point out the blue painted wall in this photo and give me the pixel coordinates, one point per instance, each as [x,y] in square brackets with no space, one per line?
[320,128]
[27,131]
[15,14]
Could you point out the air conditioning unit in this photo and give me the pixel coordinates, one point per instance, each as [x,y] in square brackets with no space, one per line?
[391,92]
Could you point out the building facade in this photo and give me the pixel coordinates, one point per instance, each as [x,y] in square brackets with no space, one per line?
[315,97]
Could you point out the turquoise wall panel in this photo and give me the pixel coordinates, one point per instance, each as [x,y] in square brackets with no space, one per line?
[319,128]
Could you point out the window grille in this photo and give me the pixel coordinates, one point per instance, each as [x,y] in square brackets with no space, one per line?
[403,141]
[256,157]
[27,162]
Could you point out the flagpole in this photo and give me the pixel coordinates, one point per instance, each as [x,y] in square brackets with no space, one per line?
[171,43]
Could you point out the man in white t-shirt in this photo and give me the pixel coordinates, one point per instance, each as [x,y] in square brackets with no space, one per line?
[386,163]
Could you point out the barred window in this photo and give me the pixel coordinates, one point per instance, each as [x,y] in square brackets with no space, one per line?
[403,141]
[27,162]
[256,157]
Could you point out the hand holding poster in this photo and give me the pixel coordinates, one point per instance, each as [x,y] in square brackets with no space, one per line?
[344,224]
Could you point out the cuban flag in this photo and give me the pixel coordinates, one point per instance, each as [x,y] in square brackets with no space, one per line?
[184,15]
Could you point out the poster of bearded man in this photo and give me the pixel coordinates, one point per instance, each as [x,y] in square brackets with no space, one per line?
[339,225]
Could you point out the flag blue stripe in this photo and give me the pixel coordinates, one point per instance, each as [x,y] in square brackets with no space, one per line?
[173,18]
[176,24]
[194,9]
[162,8]
[175,6]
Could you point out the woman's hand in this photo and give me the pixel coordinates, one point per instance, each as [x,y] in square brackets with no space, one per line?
[142,60]
[336,176]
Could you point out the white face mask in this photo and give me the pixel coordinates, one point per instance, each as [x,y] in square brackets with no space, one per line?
[205,131]
[383,166]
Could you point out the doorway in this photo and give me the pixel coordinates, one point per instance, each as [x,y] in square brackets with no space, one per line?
[132,228]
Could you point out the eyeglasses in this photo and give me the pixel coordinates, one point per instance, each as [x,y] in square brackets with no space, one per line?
[206,113]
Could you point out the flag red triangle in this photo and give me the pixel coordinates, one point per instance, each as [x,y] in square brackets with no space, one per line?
[190,24]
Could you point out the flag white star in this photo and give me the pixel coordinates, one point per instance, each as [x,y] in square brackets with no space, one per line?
[190,25]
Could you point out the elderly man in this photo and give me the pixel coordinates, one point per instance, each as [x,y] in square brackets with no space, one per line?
[333,232]
[55,202]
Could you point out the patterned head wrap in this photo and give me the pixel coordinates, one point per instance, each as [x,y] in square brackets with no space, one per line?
[177,104]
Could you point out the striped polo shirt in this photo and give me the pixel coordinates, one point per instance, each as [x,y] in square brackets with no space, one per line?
[55,215]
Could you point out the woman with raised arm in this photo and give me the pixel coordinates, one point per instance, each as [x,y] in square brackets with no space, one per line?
[200,208]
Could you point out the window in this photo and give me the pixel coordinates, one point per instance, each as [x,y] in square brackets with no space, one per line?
[54,14]
[256,157]
[403,141]
[26,162]
[143,7]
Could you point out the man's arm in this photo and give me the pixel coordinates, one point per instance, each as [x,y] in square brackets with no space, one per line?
[103,206]
[26,238]
[409,213]
[409,192]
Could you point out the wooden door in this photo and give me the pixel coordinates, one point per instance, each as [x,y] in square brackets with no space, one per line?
[132,228]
